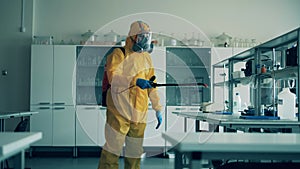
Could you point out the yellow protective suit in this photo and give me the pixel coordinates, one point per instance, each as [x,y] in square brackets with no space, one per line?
[127,109]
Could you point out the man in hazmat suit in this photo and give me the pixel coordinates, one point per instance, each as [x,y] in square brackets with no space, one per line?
[129,74]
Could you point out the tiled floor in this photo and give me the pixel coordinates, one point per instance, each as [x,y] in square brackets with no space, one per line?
[91,163]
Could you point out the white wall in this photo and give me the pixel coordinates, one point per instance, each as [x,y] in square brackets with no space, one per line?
[15,55]
[259,19]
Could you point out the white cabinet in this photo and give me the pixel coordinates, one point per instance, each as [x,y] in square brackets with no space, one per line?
[180,124]
[42,122]
[52,89]
[41,74]
[175,123]
[90,124]
[152,136]
[64,75]
[63,126]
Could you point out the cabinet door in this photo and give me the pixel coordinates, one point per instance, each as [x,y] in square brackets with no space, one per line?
[63,126]
[42,122]
[64,75]
[101,127]
[175,123]
[191,123]
[41,74]
[87,125]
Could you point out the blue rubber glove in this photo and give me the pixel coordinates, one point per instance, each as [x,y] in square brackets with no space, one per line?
[159,119]
[143,84]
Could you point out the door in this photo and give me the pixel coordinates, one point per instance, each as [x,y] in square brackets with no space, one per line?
[175,123]
[41,74]
[64,75]
[63,126]
[101,128]
[153,137]
[42,122]
[87,122]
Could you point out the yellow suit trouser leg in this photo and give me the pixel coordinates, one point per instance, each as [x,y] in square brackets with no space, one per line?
[108,160]
[116,128]
[118,131]
[134,145]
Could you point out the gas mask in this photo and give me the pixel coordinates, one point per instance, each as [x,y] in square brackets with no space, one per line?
[142,43]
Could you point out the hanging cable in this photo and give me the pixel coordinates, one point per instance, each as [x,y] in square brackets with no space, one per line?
[22,28]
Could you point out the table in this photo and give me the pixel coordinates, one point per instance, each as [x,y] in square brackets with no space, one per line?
[234,122]
[243,146]
[13,144]
[7,115]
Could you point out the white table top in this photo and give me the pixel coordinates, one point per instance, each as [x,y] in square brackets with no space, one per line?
[6,115]
[12,142]
[230,119]
[235,142]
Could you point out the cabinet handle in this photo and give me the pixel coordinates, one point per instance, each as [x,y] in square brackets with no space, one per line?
[58,108]
[44,108]
[194,108]
[59,103]
[89,108]
[102,108]
[179,108]
[44,103]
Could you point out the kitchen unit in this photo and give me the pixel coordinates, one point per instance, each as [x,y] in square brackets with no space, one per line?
[52,94]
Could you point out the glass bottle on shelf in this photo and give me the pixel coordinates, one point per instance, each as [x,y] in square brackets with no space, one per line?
[237,103]
[185,40]
[193,41]
[173,40]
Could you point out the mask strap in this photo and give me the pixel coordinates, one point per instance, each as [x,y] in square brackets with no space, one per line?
[132,39]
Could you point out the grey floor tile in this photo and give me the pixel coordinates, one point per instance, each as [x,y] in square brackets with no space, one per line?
[91,163]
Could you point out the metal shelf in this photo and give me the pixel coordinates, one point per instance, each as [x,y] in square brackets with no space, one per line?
[275,49]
